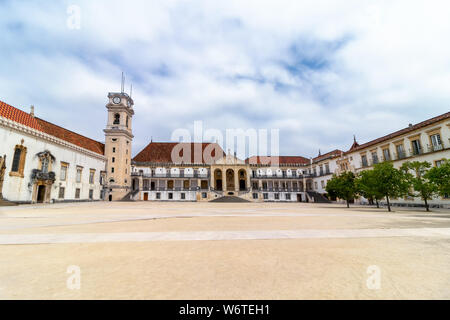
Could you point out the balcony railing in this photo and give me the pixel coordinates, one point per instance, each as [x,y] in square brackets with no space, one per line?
[172,189]
[39,175]
[264,176]
[171,175]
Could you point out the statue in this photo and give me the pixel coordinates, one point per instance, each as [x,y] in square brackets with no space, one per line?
[2,173]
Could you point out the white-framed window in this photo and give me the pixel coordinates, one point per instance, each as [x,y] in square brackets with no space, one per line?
[79,172]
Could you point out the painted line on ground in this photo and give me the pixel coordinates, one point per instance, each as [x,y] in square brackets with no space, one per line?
[20,239]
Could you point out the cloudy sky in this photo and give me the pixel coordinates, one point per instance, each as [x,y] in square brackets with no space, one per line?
[320,71]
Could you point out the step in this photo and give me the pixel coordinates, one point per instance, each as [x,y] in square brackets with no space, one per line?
[229,199]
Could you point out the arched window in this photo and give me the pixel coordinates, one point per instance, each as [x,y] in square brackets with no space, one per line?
[18,161]
[127,121]
[116,118]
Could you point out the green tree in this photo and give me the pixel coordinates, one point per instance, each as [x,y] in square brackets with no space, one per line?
[391,182]
[367,186]
[342,186]
[440,177]
[419,180]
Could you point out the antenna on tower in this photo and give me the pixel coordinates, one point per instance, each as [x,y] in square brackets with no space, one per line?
[122,86]
[131,90]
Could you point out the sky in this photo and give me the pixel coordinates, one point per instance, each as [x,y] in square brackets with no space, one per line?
[319,71]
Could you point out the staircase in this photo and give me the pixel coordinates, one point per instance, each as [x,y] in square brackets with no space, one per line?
[130,195]
[229,199]
[317,197]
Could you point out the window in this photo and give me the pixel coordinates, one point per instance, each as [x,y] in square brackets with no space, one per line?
[170,195]
[186,184]
[265,196]
[400,151]
[18,162]
[127,123]
[91,194]
[364,161]
[438,163]
[114,150]
[255,196]
[63,173]
[77,193]
[315,185]
[79,171]
[386,154]
[288,196]
[327,168]
[116,119]
[436,142]
[277,196]
[91,176]
[158,195]
[113,160]
[61,192]
[264,185]
[204,195]
[183,196]
[112,170]
[322,184]
[416,147]
[44,164]
[204,184]
[374,157]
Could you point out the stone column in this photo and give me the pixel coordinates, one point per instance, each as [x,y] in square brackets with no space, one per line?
[236,180]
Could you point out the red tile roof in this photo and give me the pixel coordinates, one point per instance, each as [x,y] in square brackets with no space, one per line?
[332,154]
[161,152]
[356,146]
[280,160]
[14,114]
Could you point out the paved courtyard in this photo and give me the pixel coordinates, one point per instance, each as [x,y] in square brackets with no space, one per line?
[147,250]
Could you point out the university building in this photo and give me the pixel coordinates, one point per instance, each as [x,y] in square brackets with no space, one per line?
[43,162]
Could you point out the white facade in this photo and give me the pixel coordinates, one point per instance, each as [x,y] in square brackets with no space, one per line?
[20,189]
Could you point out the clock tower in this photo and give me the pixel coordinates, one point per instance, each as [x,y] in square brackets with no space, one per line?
[118,138]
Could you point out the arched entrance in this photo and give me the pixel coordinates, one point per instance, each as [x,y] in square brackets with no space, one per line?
[242,180]
[218,179]
[230,179]
[40,194]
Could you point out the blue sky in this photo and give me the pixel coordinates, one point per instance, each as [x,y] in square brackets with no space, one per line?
[320,71]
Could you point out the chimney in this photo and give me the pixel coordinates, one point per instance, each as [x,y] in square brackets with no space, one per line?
[410,125]
[32,111]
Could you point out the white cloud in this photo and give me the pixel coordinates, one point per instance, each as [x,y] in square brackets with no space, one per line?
[320,71]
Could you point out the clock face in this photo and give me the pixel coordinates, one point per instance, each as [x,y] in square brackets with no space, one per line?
[116,100]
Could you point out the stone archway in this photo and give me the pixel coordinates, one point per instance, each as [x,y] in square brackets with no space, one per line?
[242,174]
[218,181]
[230,180]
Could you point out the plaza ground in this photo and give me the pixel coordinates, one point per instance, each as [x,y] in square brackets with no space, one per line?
[157,250]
